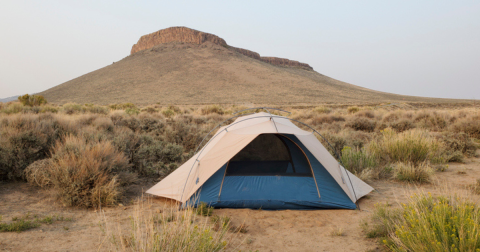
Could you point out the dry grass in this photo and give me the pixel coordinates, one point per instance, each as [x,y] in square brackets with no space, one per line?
[169,229]
[337,232]
[360,162]
[413,172]
[415,146]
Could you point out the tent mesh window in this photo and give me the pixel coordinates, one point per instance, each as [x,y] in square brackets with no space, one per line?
[269,155]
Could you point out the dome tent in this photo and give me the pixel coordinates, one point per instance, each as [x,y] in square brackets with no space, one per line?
[263,161]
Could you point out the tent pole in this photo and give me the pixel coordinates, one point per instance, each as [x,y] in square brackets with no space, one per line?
[338,156]
[310,164]
[221,185]
[271,118]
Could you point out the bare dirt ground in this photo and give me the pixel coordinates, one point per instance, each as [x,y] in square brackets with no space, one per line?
[267,230]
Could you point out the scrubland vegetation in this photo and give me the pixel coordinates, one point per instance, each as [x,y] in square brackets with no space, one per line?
[88,154]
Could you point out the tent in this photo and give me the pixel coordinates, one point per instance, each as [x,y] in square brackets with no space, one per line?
[263,161]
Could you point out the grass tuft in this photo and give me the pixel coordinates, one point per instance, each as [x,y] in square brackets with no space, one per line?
[203,209]
[23,223]
[360,162]
[18,226]
[322,110]
[337,232]
[409,172]
[414,146]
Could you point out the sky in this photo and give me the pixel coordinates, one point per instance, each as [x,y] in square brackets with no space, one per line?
[421,48]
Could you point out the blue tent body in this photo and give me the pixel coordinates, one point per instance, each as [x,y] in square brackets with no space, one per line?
[298,183]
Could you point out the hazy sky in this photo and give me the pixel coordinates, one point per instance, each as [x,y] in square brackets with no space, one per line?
[424,48]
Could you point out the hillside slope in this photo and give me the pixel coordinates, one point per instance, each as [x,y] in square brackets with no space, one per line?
[183,66]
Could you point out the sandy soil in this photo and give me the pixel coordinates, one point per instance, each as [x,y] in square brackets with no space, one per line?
[267,230]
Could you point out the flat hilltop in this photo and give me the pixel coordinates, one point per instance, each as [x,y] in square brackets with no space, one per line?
[179,65]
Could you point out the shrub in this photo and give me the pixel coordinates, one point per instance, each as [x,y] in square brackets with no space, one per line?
[31,110]
[432,120]
[322,110]
[46,108]
[150,110]
[358,161]
[392,116]
[412,173]
[149,124]
[103,123]
[13,108]
[37,173]
[122,106]
[156,157]
[168,113]
[459,143]
[363,124]
[96,109]
[353,109]
[19,149]
[366,113]
[148,155]
[175,109]
[402,125]
[414,146]
[132,111]
[25,139]
[476,187]
[83,173]
[357,139]
[120,120]
[72,108]
[469,126]
[185,134]
[337,142]
[212,109]
[320,119]
[428,223]
[32,100]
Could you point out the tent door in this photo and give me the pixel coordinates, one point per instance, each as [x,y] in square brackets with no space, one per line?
[286,161]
